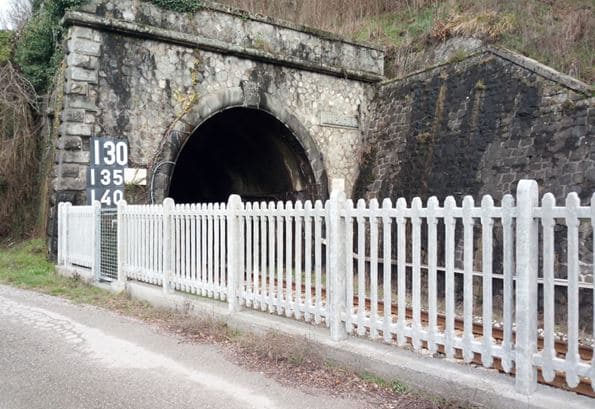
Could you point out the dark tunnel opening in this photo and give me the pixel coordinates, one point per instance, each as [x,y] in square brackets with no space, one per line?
[243,151]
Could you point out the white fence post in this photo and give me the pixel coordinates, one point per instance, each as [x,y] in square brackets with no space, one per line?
[337,265]
[96,269]
[121,244]
[526,288]
[234,261]
[66,233]
[168,244]
[60,239]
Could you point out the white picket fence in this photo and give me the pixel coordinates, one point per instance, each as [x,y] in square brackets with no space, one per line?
[383,271]
[77,227]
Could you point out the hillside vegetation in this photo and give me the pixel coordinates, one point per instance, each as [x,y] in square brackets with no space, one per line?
[559,33]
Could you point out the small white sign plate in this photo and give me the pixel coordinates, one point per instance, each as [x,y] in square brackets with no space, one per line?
[338,121]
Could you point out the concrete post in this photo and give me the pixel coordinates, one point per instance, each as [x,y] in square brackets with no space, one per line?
[96,239]
[526,286]
[234,243]
[337,267]
[168,244]
[121,245]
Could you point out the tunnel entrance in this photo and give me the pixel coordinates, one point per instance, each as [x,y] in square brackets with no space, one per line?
[243,151]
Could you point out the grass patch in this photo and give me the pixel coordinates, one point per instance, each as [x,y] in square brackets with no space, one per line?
[25,265]
[406,28]
[394,385]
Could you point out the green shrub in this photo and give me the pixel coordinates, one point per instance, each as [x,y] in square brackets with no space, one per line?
[39,46]
[5,46]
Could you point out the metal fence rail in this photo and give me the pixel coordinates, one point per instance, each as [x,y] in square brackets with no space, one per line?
[441,277]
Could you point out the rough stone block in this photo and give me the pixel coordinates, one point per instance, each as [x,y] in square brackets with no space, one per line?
[82,32]
[73,115]
[81,60]
[69,170]
[76,87]
[65,183]
[83,46]
[78,101]
[89,118]
[77,129]
[70,143]
[82,74]
[72,157]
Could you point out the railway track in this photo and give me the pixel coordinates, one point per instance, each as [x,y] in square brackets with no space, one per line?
[561,347]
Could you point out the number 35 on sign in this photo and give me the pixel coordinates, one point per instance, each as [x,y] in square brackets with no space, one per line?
[105,176]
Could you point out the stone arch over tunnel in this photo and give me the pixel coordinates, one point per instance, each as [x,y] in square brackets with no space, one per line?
[246,151]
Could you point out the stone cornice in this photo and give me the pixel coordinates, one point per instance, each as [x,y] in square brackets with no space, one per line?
[192,40]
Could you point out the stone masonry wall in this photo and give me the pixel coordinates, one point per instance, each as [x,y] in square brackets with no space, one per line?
[477,127]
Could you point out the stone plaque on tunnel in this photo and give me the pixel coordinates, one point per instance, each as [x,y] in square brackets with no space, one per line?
[338,121]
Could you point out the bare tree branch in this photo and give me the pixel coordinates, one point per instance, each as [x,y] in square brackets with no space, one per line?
[16,15]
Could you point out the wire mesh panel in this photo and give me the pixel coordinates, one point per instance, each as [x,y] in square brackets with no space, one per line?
[108,269]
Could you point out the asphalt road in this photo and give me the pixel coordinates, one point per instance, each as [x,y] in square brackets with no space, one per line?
[54,354]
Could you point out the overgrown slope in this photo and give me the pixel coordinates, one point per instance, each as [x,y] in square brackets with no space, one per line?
[559,33]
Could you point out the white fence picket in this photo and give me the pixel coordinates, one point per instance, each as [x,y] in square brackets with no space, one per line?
[317,262]
[548,223]
[298,260]
[449,240]
[349,308]
[507,271]
[386,273]
[279,258]
[572,224]
[432,221]
[373,221]
[592,217]
[487,224]
[361,268]
[416,271]
[401,272]
[468,223]
[289,305]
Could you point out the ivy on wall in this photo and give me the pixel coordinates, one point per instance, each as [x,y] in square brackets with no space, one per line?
[182,6]
[38,49]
